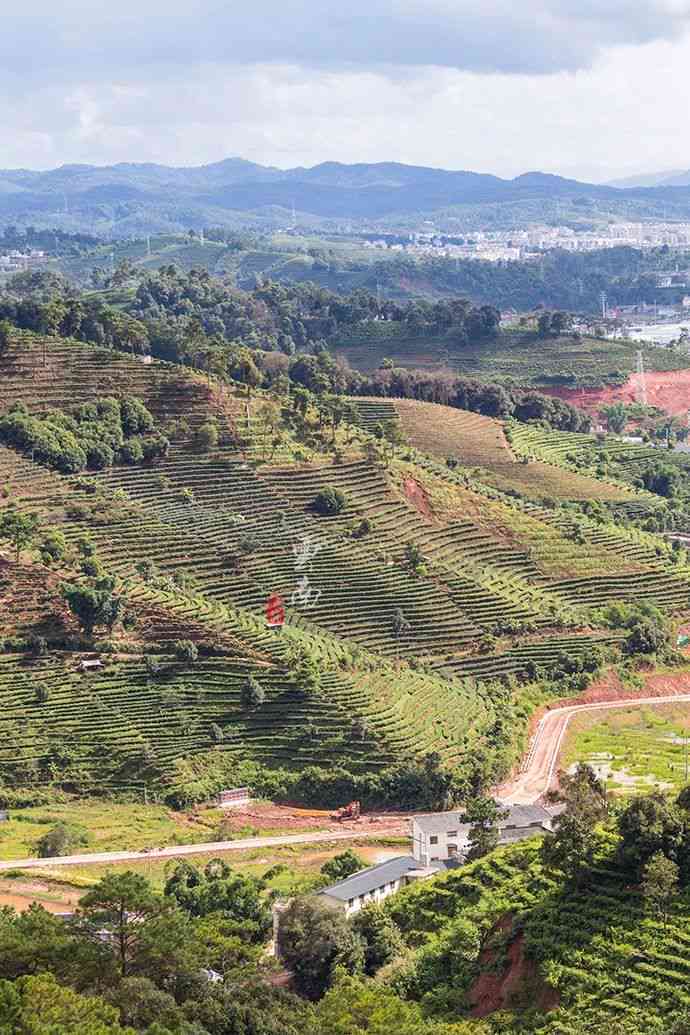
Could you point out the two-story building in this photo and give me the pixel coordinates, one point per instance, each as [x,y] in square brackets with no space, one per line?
[442,836]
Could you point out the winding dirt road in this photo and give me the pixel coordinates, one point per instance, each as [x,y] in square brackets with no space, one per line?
[539,765]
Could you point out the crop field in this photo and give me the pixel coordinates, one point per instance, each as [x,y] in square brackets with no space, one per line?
[445,431]
[477,441]
[633,748]
[127,725]
[567,361]
[59,373]
[222,531]
[518,357]
[591,957]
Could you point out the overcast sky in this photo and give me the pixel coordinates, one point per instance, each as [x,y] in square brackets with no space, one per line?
[587,88]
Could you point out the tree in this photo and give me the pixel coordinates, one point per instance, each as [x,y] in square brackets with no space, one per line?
[401,627]
[381,935]
[207,435]
[647,636]
[354,1006]
[484,814]
[314,940]
[342,866]
[660,879]
[19,529]
[186,650]
[330,501]
[219,890]
[94,605]
[6,330]
[53,546]
[252,694]
[651,824]
[62,839]
[616,417]
[572,847]
[38,1005]
[123,905]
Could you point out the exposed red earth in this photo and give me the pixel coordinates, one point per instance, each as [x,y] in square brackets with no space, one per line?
[669,390]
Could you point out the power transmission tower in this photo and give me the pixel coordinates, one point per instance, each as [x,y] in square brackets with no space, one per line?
[641,382]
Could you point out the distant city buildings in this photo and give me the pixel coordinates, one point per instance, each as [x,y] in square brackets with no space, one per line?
[17,262]
[529,244]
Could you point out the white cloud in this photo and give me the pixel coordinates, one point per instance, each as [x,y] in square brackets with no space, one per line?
[574,86]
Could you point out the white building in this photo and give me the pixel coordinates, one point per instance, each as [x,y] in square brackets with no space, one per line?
[375,883]
[442,836]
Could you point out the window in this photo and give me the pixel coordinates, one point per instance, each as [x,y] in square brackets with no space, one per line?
[433,840]
[452,833]
[350,903]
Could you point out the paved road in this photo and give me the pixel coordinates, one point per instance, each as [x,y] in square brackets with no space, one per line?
[538,768]
[213,846]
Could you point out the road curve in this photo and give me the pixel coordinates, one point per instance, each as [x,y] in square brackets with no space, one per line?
[174,851]
[538,767]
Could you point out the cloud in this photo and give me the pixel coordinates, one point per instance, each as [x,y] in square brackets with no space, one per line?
[79,38]
[573,86]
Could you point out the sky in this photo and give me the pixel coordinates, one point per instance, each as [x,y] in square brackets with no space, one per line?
[586,88]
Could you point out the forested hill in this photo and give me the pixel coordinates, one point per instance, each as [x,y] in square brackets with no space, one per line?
[131,197]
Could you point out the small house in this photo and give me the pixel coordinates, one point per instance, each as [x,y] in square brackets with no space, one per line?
[90,665]
[234,797]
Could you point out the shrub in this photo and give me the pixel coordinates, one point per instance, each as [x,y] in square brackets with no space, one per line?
[61,839]
[187,651]
[329,501]
[253,694]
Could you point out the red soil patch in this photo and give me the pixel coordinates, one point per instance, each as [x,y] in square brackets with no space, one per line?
[496,990]
[669,390]
[418,498]
[610,688]
[266,816]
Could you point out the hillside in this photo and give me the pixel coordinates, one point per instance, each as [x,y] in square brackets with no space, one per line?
[567,363]
[134,198]
[555,958]
[479,560]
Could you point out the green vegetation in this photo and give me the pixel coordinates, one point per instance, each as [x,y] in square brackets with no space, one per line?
[94,435]
[633,747]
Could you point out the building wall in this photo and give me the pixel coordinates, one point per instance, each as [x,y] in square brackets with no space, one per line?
[354,905]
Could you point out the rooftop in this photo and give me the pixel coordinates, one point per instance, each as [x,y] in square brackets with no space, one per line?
[518,816]
[373,877]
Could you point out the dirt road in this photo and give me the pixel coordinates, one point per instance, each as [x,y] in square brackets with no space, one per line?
[180,850]
[539,765]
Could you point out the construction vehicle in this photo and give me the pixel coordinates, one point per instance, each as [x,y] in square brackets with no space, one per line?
[350,811]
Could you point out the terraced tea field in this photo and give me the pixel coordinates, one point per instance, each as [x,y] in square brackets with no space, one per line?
[450,552]
[477,441]
[567,361]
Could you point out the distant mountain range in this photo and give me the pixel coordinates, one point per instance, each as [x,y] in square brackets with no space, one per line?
[670,178]
[130,198]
